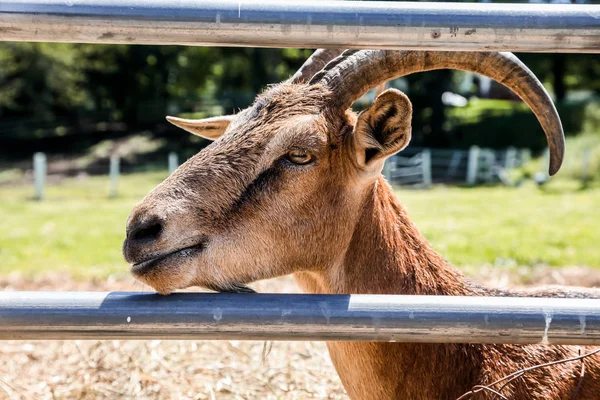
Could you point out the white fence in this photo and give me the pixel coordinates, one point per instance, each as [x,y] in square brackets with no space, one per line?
[413,171]
[40,171]
[420,167]
[414,167]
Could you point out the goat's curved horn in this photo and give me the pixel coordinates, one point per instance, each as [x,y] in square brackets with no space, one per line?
[355,72]
[314,64]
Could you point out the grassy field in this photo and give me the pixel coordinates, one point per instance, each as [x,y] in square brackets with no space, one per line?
[76,229]
[79,230]
[500,226]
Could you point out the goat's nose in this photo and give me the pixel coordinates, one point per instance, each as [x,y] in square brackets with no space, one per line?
[146,230]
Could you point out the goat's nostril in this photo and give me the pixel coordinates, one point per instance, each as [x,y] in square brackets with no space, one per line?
[148,230]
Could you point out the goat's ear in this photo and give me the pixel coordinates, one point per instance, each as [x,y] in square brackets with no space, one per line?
[208,128]
[383,129]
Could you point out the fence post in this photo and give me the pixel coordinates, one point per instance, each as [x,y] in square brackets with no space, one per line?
[426,165]
[585,166]
[525,156]
[39,174]
[546,163]
[387,168]
[173,162]
[510,159]
[487,165]
[457,156]
[473,165]
[541,177]
[115,162]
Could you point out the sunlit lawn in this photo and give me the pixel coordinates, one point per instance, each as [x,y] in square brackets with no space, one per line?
[78,229]
[502,226]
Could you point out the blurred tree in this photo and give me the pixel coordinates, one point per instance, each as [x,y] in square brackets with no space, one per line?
[79,85]
[41,80]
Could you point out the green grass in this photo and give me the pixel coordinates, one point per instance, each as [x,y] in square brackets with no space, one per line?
[78,229]
[501,226]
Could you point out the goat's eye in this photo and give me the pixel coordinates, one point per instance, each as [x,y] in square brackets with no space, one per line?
[299,157]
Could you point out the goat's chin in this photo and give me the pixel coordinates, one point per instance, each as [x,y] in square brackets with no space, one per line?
[181,270]
[167,277]
[171,276]
[163,286]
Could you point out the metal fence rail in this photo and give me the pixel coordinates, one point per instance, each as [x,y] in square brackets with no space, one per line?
[98,315]
[299,23]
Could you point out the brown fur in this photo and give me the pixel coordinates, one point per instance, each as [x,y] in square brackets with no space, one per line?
[337,226]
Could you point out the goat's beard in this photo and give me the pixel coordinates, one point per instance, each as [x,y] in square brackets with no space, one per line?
[199,270]
[231,288]
[166,289]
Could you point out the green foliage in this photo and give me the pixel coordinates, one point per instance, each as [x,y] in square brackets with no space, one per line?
[45,85]
[70,94]
[504,123]
[40,79]
[591,118]
[584,146]
[578,148]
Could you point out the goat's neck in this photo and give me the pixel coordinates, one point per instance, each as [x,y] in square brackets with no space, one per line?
[387,255]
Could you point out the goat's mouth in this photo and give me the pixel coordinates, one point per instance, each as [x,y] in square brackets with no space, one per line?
[145,267]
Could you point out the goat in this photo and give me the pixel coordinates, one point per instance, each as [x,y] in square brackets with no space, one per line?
[293,185]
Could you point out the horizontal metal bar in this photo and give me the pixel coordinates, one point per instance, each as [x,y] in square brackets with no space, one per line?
[312,23]
[98,315]
[407,171]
